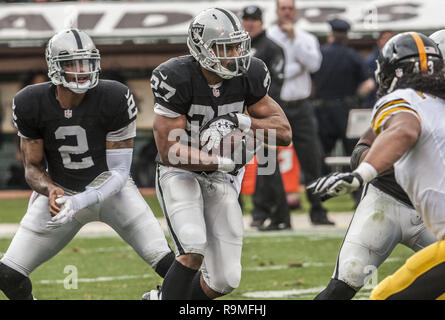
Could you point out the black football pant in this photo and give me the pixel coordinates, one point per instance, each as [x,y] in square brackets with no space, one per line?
[306,143]
[269,199]
[332,120]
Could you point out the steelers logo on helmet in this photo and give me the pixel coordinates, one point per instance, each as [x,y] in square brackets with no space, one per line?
[404,54]
[73,60]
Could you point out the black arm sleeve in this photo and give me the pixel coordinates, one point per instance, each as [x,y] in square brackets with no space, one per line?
[356,154]
[258,81]
[25,114]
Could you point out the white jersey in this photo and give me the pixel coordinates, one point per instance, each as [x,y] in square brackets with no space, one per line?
[421,170]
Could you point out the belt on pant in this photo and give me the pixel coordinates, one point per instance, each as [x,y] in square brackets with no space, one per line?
[295,103]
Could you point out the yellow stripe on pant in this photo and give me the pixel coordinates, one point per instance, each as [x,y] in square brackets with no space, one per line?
[421,277]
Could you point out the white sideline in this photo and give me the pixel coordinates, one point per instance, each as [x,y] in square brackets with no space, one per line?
[300,225]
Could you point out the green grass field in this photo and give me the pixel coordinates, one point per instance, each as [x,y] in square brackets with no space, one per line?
[280,265]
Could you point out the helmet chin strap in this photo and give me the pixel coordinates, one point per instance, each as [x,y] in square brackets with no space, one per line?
[74,87]
[393,85]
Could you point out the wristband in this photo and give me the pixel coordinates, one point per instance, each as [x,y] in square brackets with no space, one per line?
[244,121]
[366,171]
[225,164]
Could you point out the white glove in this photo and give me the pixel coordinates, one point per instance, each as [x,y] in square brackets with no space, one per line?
[216,129]
[66,213]
[213,137]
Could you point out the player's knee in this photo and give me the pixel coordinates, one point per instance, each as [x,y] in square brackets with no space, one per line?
[336,290]
[192,236]
[354,272]
[14,284]
[228,280]
[191,260]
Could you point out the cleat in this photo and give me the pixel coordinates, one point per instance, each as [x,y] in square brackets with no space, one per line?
[152,294]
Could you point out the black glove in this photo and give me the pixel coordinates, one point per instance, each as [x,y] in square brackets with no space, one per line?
[336,184]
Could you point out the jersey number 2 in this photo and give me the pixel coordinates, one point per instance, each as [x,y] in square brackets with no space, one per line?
[81,147]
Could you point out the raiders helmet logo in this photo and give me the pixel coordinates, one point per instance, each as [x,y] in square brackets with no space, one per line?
[197,31]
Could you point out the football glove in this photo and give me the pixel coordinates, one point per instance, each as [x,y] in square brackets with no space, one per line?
[66,213]
[216,129]
[337,184]
[340,184]
[320,184]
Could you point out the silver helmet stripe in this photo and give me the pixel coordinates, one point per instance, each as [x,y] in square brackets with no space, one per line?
[78,40]
[235,26]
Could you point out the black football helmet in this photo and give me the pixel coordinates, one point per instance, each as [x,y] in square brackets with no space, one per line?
[407,53]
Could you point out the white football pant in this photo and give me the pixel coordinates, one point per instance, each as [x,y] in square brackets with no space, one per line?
[126,212]
[379,223]
[204,217]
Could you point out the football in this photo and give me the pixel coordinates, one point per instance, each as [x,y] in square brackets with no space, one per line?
[238,145]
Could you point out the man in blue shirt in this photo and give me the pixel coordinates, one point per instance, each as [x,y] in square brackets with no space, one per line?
[341,83]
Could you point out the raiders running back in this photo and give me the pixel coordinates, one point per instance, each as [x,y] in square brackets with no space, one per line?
[74,139]
[180,88]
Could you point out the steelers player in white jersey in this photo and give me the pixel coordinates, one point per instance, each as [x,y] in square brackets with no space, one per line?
[205,92]
[76,135]
[384,218]
[408,122]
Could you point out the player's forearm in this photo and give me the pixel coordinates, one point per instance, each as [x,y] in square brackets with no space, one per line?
[389,147]
[274,130]
[38,179]
[189,158]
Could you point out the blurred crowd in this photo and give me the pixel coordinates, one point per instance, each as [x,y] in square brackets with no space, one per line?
[316,84]
[317,87]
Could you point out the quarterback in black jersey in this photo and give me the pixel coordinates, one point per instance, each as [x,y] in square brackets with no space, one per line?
[76,135]
[219,81]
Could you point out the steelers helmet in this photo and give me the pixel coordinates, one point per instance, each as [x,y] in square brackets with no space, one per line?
[439,38]
[72,52]
[210,36]
[407,53]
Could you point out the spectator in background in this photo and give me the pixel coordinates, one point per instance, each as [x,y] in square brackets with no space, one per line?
[371,61]
[269,199]
[341,84]
[16,175]
[303,57]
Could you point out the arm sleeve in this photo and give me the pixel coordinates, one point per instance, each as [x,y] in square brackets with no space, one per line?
[25,115]
[170,91]
[107,183]
[121,107]
[258,81]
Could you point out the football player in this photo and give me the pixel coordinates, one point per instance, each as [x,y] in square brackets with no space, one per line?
[384,217]
[199,195]
[408,122]
[76,135]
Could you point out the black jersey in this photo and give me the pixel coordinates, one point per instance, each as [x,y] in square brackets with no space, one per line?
[388,184]
[74,140]
[179,86]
